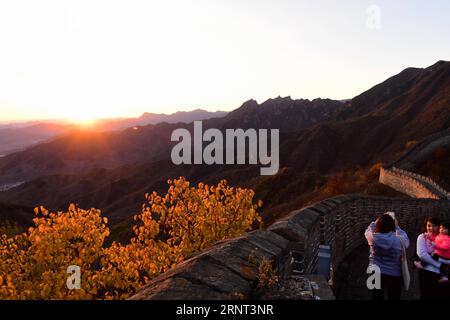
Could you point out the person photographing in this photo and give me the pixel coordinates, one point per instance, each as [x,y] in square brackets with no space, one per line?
[387,242]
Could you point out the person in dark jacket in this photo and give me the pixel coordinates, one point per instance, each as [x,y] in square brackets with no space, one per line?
[385,239]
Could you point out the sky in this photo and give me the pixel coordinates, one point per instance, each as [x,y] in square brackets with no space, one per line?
[79,60]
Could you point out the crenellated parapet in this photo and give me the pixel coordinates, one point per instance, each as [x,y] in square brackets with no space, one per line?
[229,269]
[291,244]
[412,184]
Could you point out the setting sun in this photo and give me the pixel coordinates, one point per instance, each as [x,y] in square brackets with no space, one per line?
[84,122]
[81,117]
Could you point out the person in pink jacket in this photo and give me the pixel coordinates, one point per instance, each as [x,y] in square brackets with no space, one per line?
[442,246]
[430,268]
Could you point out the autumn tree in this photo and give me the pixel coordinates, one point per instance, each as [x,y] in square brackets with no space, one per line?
[169,229]
[185,220]
[34,264]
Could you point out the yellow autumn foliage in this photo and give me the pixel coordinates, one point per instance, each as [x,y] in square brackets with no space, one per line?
[169,229]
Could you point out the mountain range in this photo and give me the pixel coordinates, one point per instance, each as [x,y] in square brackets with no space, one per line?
[320,141]
[16,138]
[19,136]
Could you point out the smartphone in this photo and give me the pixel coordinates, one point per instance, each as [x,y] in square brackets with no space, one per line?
[392,214]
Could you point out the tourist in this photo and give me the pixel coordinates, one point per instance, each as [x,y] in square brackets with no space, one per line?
[429,269]
[442,248]
[386,241]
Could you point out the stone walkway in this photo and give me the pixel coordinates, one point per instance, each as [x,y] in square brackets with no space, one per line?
[351,277]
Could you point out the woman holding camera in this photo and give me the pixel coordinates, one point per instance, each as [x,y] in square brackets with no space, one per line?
[387,242]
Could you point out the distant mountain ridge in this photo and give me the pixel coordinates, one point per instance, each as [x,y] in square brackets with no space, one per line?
[14,139]
[81,151]
[155,118]
[282,113]
[395,86]
[180,116]
[19,136]
[318,139]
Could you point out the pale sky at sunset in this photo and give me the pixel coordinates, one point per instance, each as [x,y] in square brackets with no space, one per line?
[83,59]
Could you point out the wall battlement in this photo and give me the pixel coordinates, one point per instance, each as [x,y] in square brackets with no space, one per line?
[225,272]
[291,244]
[412,184]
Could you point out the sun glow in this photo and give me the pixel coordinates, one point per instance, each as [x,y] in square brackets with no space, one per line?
[82,117]
[85,122]
[123,58]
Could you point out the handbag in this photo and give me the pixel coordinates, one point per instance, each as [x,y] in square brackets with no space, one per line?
[405,270]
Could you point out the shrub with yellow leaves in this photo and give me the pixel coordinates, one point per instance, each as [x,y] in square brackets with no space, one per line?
[189,219]
[169,229]
[36,263]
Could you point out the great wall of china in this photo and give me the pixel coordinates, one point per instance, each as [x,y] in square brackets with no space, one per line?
[225,271]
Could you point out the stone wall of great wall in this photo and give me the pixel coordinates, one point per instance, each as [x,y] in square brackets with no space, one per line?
[412,184]
[226,271]
[229,269]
